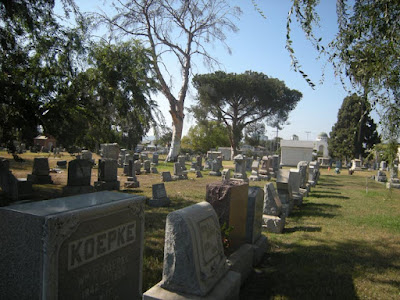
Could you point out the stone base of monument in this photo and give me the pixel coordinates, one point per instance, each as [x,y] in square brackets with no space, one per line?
[107,185]
[381,178]
[392,185]
[312,183]
[264,177]
[198,174]
[215,173]
[254,178]
[227,288]
[160,202]
[260,248]
[179,177]
[239,179]
[40,179]
[241,261]
[303,192]
[273,224]
[131,183]
[70,190]
[297,199]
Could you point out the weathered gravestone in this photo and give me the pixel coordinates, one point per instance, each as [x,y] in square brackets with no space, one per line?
[155,158]
[79,177]
[138,165]
[193,166]
[131,180]
[110,151]
[126,163]
[273,217]
[254,223]
[153,169]
[229,199]
[302,166]
[62,164]
[108,175]
[40,172]
[383,166]
[264,169]
[86,154]
[166,176]
[294,181]
[159,196]
[143,157]
[13,188]
[240,169]
[199,160]
[284,190]
[215,168]
[147,166]
[179,174]
[182,161]
[356,165]
[194,262]
[81,247]
[254,171]
[381,176]
[249,162]
[226,174]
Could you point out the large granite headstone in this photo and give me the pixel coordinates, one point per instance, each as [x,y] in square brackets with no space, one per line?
[79,177]
[13,188]
[194,261]
[272,203]
[40,172]
[166,176]
[81,247]
[108,175]
[229,199]
[254,214]
[159,196]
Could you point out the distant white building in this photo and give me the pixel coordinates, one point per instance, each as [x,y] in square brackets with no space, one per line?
[293,151]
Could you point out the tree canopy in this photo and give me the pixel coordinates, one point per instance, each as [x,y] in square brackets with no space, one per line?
[205,136]
[239,100]
[180,28]
[365,50]
[81,92]
[344,142]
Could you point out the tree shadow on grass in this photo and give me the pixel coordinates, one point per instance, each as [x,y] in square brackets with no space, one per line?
[302,228]
[330,196]
[322,271]
[310,209]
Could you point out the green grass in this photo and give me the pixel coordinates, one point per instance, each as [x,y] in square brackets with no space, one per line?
[343,243]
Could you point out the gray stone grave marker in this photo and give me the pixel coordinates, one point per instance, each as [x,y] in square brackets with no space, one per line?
[194,261]
[81,247]
[159,196]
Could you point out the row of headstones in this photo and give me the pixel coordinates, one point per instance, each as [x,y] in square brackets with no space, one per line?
[292,185]
[94,244]
[393,181]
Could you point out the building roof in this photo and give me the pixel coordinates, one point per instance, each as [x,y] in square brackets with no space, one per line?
[297,144]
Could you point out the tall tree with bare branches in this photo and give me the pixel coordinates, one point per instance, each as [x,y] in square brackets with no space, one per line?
[181,27]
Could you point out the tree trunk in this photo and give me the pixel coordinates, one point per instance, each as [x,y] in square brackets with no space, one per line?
[177,128]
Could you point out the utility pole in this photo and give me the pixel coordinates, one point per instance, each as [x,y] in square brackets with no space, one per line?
[308,132]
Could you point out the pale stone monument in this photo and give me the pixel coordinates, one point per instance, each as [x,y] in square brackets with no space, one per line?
[240,168]
[284,190]
[110,151]
[194,262]
[87,246]
[273,218]
[254,171]
[229,199]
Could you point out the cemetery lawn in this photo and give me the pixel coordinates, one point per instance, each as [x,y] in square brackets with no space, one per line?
[343,243]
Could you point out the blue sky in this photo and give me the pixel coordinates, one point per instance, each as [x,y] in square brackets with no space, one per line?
[260,46]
